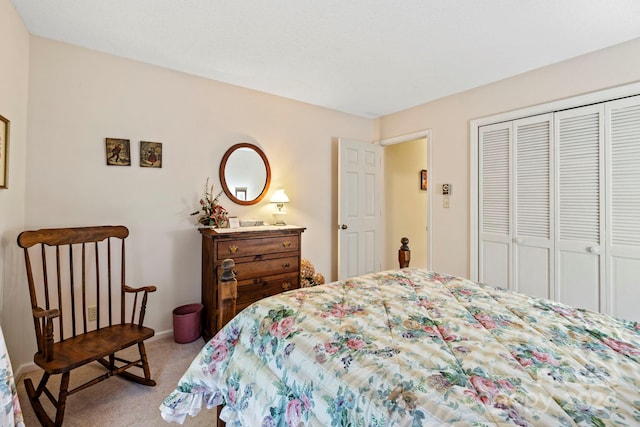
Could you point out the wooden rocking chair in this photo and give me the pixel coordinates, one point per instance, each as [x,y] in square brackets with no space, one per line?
[77,287]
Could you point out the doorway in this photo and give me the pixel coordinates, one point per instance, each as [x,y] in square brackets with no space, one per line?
[407,197]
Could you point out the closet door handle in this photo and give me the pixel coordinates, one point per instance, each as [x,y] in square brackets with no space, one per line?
[594,250]
[518,240]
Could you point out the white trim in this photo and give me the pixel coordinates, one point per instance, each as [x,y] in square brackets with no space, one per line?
[412,137]
[562,104]
[405,138]
[473,201]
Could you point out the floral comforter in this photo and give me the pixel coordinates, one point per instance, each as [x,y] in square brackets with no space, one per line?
[10,411]
[415,348]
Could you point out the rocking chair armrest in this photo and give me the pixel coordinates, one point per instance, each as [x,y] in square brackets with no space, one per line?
[44,330]
[49,314]
[143,305]
[149,288]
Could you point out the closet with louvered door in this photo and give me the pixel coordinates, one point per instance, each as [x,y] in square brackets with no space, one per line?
[533,256]
[579,148]
[495,239]
[516,229]
[622,167]
[559,206]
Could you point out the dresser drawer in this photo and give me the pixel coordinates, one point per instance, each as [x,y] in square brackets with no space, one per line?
[237,248]
[267,262]
[270,267]
[252,291]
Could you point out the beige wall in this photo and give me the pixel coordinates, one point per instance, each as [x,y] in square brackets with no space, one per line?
[78,97]
[14,301]
[406,204]
[448,118]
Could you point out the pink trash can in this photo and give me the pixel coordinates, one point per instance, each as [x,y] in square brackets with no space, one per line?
[187,323]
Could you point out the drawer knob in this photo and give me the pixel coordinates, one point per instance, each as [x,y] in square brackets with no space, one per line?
[286,285]
[233,249]
[286,265]
[286,244]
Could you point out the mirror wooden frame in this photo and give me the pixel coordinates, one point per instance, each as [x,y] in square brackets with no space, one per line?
[223,180]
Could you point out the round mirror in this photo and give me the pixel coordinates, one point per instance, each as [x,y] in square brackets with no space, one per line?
[245,174]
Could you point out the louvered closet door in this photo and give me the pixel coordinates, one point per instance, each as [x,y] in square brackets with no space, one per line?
[623,208]
[533,206]
[579,229]
[495,206]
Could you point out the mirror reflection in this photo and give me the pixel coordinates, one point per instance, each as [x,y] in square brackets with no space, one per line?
[245,174]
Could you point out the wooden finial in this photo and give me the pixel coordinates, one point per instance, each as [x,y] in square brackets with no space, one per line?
[227,293]
[404,253]
[227,270]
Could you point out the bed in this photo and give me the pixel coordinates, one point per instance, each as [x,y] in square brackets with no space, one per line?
[411,347]
[10,411]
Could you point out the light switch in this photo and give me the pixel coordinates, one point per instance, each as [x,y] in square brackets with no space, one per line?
[445,202]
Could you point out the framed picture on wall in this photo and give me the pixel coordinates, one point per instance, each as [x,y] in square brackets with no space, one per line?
[4,151]
[118,152]
[423,179]
[150,154]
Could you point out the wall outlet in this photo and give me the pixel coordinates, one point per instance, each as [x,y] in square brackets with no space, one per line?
[92,313]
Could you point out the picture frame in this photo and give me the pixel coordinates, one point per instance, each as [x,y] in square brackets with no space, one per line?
[150,154]
[234,222]
[118,152]
[423,179]
[241,193]
[4,152]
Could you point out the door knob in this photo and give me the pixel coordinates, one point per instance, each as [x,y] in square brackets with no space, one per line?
[594,250]
[344,226]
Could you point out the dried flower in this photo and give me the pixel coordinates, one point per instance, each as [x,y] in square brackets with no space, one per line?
[308,275]
[211,213]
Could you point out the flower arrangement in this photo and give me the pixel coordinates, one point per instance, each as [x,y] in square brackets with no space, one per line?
[211,213]
[308,275]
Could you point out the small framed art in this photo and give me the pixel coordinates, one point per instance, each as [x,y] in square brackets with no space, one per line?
[4,151]
[118,152]
[241,193]
[150,154]
[423,179]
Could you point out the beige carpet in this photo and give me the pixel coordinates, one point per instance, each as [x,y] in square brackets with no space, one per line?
[118,402]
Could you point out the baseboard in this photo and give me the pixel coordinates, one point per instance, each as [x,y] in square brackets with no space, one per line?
[23,369]
[161,335]
[29,367]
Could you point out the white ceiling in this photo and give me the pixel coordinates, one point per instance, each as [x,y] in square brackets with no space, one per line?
[365,57]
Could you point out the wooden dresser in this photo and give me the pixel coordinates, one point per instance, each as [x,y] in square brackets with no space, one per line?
[267,262]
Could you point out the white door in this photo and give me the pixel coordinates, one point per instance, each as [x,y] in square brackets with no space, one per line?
[494,196]
[516,203]
[533,206]
[359,179]
[579,268]
[623,208]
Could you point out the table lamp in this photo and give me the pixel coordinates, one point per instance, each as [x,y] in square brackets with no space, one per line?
[279,198]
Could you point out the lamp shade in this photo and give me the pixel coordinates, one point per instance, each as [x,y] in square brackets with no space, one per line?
[279,197]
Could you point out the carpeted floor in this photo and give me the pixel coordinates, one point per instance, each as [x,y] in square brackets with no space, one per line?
[118,402]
